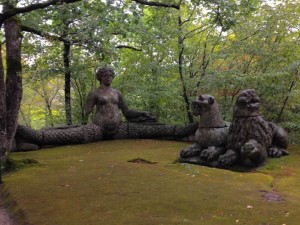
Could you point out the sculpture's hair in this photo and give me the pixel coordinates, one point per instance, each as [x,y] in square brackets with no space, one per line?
[104,70]
[246,127]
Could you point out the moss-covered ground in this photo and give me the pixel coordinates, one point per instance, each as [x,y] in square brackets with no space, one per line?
[136,182]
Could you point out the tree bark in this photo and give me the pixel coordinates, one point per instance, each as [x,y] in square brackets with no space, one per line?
[180,68]
[66,55]
[14,74]
[3,140]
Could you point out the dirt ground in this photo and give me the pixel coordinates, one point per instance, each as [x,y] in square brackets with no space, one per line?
[5,219]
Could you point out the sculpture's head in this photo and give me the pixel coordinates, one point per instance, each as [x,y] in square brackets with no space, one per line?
[105,75]
[202,103]
[247,104]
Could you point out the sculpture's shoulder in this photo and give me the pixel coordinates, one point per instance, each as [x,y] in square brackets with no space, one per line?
[117,92]
[93,92]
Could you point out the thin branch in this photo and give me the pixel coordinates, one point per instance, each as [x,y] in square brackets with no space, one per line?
[251,35]
[50,37]
[32,7]
[190,16]
[293,84]
[42,34]
[129,47]
[158,4]
[198,29]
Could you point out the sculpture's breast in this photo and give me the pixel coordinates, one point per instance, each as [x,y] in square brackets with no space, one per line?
[105,98]
[207,137]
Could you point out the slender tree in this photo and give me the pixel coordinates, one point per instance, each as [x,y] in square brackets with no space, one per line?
[3,139]
[11,85]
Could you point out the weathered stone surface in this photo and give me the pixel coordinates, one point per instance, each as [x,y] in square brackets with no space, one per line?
[251,137]
[92,132]
[248,142]
[211,135]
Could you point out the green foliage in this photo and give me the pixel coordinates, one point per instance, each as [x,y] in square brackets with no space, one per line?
[225,47]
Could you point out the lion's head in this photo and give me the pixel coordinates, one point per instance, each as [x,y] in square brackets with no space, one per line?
[207,108]
[247,104]
[203,103]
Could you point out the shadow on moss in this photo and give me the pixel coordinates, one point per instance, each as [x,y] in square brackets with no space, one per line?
[236,168]
[14,164]
[140,160]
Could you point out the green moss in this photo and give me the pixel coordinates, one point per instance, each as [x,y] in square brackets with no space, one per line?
[16,164]
[95,184]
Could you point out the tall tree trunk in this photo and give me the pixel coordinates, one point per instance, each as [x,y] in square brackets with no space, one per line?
[67,49]
[3,138]
[14,74]
[180,68]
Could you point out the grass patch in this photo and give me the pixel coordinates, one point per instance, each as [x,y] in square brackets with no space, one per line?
[95,184]
[16,164]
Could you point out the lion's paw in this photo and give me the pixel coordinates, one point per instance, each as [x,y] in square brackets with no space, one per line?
[211,153]
[227,159]
[253,153]
[275,152]
[190,151]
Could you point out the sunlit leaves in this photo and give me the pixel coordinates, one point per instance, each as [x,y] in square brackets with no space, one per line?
[227,46]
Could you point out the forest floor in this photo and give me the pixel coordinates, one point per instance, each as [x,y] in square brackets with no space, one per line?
[5,218]
[139,182]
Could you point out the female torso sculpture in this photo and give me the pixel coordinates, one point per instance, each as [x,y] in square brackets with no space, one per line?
[109,102]
[107,110]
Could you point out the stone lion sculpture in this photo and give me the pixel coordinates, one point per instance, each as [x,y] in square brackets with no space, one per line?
[211,135]
[248,141]
[251,138]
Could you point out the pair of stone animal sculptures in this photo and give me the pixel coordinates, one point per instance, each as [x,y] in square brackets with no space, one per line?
[248,141]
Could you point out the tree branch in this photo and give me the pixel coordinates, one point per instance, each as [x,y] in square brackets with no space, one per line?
[32,7]
[158,4]
[190,16]
[129,47]
[42,34]
[58,38]
[198,29]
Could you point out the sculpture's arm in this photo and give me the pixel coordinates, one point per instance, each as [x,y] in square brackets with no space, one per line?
[132,114]
[90,103]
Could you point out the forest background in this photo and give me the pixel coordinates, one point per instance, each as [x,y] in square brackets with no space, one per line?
[164,53]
